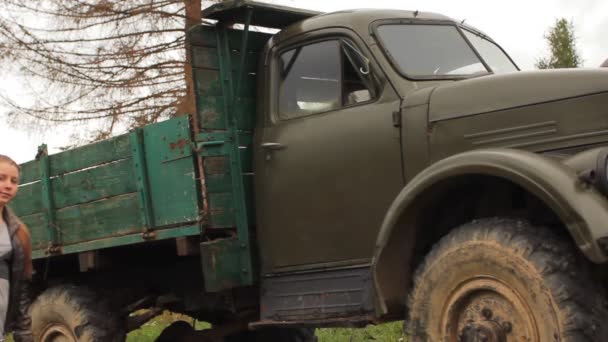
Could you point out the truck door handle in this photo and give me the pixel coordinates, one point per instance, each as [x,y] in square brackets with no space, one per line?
[272,146]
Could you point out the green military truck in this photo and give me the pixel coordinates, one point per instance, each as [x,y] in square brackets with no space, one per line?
[342,169]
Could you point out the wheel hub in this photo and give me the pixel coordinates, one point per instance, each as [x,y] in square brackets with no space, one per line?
[484,331]
[486,310]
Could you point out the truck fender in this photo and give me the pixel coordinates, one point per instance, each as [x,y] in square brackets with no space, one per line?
[581,208]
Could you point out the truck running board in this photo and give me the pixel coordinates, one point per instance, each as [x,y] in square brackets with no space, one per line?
[321,297]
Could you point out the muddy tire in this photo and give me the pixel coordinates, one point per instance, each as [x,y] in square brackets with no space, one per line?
[69,313]
[505,280]
[275,335]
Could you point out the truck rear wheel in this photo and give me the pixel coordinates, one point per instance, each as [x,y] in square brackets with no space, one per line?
[505,280]
[73,314]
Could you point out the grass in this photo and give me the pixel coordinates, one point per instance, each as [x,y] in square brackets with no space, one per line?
[386,332]
[389,332]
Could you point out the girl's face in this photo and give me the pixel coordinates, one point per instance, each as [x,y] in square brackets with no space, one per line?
[9,182]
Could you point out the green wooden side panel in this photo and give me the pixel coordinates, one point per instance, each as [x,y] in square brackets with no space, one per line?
[256,40]
[221,210]
[170,168]
[100,219]
[95,192]
[202,36]
[244,117]
[248,88]
[30,172]
[39,235]
[207,82]
[216,165]
[251,61]
[205,57]
[90,155]
[221,264]
[211,112]
[226,108]
[92,184]
[28,199]
[220,183]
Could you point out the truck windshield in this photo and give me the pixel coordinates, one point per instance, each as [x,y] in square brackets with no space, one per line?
[491,53]
[436,51]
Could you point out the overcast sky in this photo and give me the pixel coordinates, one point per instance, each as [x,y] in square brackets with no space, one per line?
[517,25]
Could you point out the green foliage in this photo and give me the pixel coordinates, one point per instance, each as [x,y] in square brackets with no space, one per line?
[562,43]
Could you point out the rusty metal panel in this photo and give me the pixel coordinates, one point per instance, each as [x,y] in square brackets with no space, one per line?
[317,295]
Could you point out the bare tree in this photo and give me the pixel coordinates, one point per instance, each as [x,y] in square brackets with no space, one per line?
[120,63]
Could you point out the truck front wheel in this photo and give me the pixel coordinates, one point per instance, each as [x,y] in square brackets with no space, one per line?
[69,313]
[505,280]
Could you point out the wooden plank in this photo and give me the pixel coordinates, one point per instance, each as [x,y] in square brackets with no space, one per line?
[170,168]
[38,230]
[248,85]
[28,200]
[203,36]
[245,138]
[207,82]
[255,40]
[90,155]
[187,245]
[245,113]
[205,57]
[92,184]
[216,165]
[218,183]
[91,260]
[211,112]
[221,210]
[163,234]
[100,219]
[251,61]
[30,172]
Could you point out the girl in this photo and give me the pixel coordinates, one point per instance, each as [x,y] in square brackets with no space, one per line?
[15,259]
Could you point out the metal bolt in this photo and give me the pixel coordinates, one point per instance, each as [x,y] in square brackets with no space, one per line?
[507,327]
[486,313]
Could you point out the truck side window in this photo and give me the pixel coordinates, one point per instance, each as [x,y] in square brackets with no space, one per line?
[310,80]
[321,77]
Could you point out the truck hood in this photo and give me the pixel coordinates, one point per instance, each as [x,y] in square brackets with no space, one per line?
[499,92]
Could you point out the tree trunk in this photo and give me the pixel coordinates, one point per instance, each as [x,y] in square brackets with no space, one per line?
[188,103]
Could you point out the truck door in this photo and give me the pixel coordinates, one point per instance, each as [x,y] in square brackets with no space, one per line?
[328,161]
